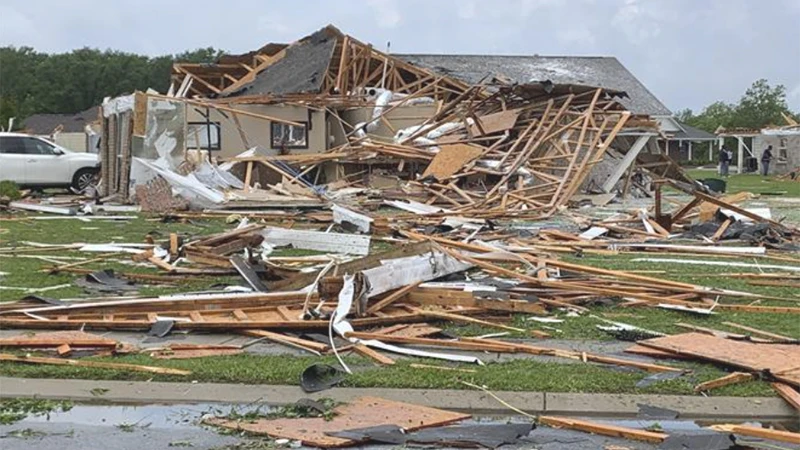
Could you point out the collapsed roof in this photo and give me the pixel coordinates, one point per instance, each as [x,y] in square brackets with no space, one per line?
[600,71]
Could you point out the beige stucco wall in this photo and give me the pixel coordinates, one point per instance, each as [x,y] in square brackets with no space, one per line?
[779,164]
[71,141]
[257,131]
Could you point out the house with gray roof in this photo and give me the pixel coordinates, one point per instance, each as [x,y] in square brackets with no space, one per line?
[67,130]
[601,71]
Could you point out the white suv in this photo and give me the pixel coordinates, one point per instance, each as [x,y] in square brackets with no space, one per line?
[31,161]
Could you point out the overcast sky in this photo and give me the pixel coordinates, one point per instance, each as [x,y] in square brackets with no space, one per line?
[689,53]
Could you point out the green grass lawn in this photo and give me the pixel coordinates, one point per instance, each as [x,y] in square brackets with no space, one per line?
[754,183]
[520,375]
[517,375]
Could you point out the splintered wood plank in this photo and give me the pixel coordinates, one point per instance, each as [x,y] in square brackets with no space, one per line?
[56,339]
[757,332]
[410,330]
[788,393]
[94,364]
[393,297]
[363,412]
[363,350]
[764,433]
[603,429]
[194,353]
[641,350]
[782,360]
[292,341]
[64,350]
[450,159]
[732,378]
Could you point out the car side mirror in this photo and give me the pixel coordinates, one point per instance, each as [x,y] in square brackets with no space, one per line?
[57,152]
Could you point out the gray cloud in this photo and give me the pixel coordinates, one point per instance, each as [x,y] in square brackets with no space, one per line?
[688,52]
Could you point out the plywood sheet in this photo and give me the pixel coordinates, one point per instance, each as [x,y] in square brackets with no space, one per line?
[361,413]
[492,123]
[450,159]
[782,360]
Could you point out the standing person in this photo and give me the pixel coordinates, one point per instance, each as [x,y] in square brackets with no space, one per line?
[766,157]
[724,161]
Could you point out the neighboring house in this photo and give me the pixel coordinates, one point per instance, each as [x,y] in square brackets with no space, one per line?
[67,130]
[679,144]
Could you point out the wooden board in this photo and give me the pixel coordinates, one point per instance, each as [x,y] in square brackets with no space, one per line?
[361,413]
[603,429]
[492,123]
[788,393]
[194,353]
[782,360]
[54,339]
[641,350]
[450,159]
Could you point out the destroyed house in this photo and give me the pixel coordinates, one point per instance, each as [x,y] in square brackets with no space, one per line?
[329,108]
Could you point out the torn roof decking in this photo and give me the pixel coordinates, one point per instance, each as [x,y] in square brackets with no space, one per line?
[599,71]
[301,69]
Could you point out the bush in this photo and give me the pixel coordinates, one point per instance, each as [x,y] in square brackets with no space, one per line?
[9,189]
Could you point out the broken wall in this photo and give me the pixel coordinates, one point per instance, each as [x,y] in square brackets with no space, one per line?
[785,150]
[258,132]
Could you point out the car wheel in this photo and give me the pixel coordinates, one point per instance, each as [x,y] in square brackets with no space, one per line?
[83,179]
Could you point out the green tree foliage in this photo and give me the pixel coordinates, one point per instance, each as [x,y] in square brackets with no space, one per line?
[760,106]
[32,82]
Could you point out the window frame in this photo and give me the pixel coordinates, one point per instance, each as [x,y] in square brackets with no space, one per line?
[210,147]
[272,127]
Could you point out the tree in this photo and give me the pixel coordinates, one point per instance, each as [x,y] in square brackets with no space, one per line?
[33,82]
[761,106]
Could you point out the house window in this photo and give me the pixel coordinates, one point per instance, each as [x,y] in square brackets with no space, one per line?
[289,136]
[199,134]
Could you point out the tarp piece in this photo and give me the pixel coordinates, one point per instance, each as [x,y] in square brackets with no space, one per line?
[165,134]
[318,377]
[703,440]
[362,412]
[485,435]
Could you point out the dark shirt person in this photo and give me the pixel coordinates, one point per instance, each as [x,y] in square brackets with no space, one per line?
[766,158]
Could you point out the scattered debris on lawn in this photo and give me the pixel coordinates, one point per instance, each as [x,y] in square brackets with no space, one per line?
[461,209]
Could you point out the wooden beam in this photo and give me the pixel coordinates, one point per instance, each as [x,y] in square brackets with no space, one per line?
[727,380]
[393,297]
[92,364]
[603,429]
[382,359]
[788,393]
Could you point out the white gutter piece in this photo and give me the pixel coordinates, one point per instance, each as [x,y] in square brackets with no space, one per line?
[396,273]
[361,221]
[354,244]
[415,207]
[342,327]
